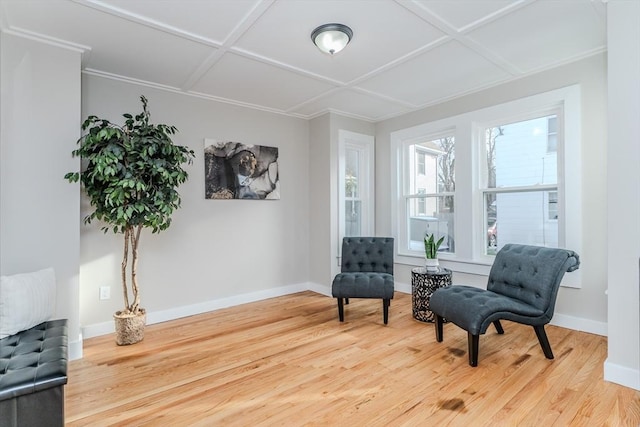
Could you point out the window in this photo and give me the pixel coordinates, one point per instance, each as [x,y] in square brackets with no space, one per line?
[355,189]
[510,173]
[352,200]
[429,191]
[520,175]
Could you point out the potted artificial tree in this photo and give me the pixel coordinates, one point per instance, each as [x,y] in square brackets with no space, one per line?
[431,247]
[131,174]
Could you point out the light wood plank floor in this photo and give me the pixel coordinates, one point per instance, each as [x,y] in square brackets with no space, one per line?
[289,361]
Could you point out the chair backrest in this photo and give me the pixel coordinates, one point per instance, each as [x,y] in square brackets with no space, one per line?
[367,254]
[531,274]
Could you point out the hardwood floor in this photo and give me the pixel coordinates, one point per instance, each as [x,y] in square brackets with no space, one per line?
[289,361]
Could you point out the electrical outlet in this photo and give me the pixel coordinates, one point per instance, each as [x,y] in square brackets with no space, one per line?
[105,292]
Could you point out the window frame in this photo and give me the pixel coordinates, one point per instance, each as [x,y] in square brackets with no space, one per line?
[468,129]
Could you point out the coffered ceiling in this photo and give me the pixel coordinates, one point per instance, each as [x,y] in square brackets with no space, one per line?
[404,55]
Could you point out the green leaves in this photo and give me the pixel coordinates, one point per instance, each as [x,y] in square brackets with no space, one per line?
[431,246]
[132,172]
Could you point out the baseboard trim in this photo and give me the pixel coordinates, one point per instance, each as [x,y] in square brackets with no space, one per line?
[580,324]
[75,349]
[319,289]
[105,328]
[621,375]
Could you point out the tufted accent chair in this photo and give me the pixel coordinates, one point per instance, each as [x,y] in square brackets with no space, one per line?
[366,272]
[522,287]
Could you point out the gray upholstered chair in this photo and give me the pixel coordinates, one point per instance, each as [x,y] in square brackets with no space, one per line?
[366,272]
[522,287]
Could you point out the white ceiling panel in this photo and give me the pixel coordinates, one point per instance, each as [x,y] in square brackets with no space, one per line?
[213,20]
[463,13]
[440,73]
[253,82]
[118,46]
[544,33]
[353,103]
[405,54]
[283,33]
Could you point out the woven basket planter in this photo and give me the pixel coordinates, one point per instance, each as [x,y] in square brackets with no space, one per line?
[130,327]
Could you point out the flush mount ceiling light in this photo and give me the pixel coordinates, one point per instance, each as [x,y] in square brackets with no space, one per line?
[331,38]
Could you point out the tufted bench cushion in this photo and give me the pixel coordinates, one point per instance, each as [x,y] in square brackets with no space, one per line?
[33,372]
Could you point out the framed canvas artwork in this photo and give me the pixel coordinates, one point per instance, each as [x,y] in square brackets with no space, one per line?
[233,170]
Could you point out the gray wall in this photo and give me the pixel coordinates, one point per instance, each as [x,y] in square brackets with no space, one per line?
[39,210]
[320,200]
[214,249]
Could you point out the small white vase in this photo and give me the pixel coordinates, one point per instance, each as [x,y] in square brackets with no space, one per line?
[432,264]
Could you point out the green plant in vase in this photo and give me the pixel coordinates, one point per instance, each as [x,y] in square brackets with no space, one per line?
[431,246]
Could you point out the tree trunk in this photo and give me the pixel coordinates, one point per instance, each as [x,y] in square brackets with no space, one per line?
[135,239]
[125,259]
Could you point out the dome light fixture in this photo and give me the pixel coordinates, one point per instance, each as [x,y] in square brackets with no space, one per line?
[331,38]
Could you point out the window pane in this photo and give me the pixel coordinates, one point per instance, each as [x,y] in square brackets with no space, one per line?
[519,218]
[518,153]
[421,205]
[438,221]
[352,171]
[434,169]
[352,218]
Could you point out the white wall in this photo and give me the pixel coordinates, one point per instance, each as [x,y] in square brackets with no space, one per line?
[623,225]
[39,210]
[215,250]
[584,308]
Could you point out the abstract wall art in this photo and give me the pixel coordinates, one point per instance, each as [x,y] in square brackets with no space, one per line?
[233,170]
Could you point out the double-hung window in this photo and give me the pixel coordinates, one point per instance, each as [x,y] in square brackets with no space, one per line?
[510,173]
[520,182]
[428,191]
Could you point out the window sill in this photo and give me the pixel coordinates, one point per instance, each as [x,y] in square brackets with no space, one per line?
[480,268]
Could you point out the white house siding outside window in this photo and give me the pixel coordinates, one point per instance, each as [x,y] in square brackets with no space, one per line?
[515,178]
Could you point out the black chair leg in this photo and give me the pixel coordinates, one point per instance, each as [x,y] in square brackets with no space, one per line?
[544,341]
[498,326]
[341,309]
[473,348]
[346,300]
[385,310]
[439,323]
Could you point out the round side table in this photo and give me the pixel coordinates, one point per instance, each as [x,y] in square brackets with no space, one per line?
[423,284]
